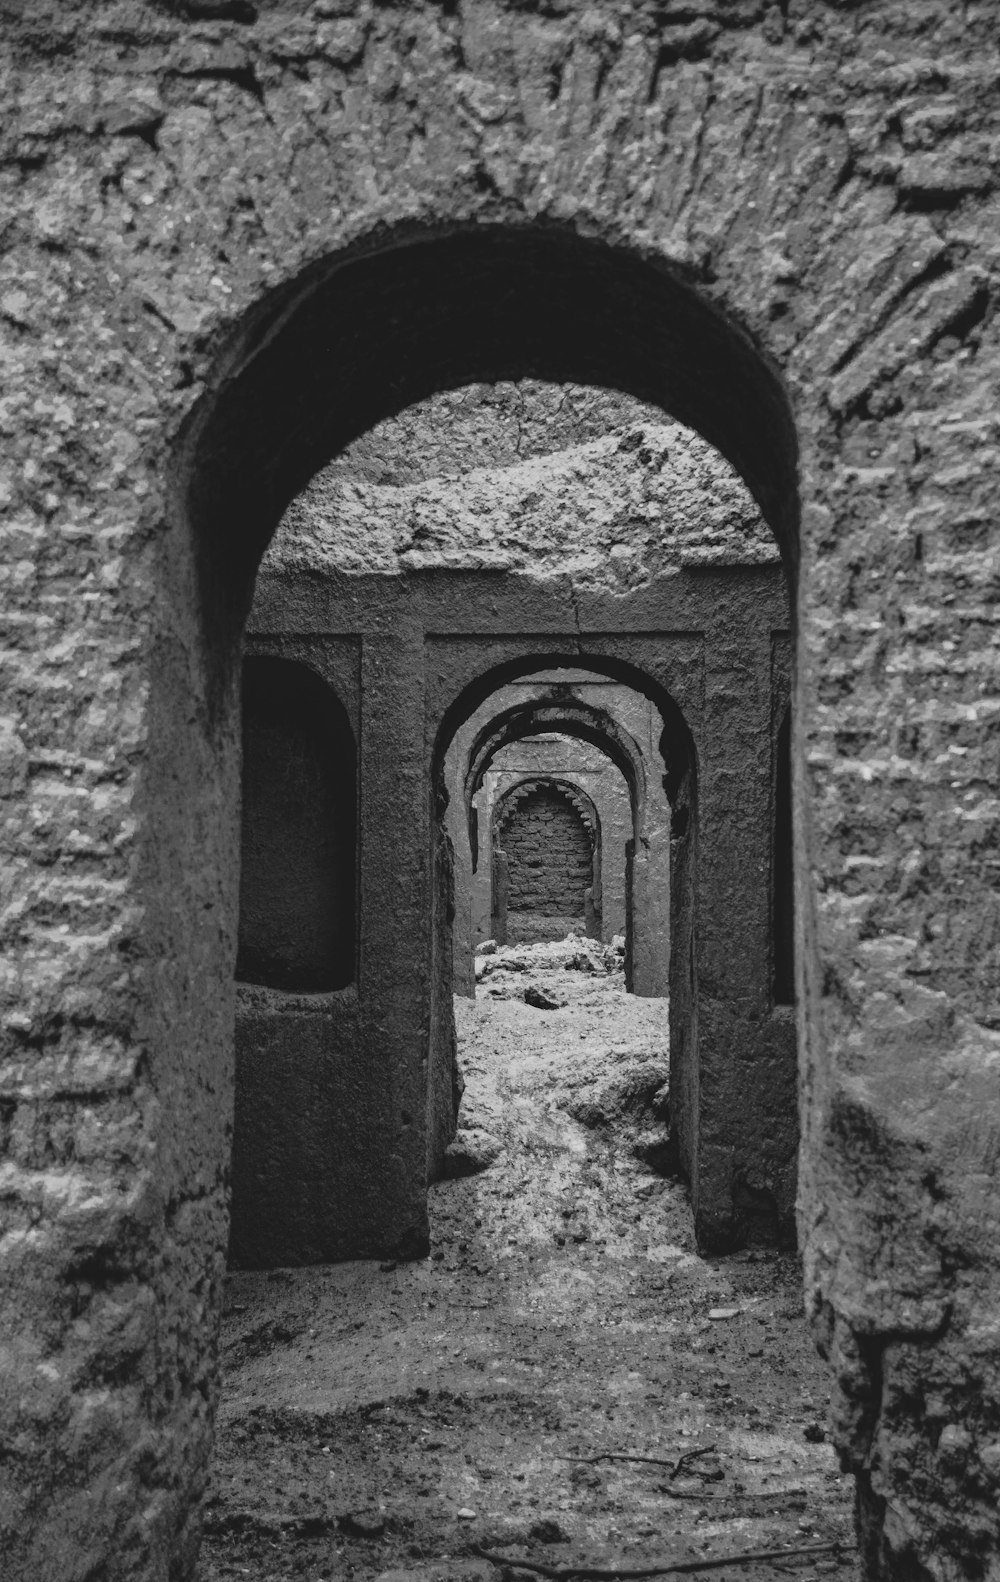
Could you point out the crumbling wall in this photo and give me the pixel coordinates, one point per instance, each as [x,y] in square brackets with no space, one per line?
[529,478]
[821,175]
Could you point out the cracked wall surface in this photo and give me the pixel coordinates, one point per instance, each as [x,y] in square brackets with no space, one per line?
[177,180]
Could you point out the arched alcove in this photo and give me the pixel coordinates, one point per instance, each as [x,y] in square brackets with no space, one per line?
[297,868]
[296,955]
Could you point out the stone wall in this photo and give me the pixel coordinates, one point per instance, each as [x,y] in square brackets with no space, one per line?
[550,864]
[236,237]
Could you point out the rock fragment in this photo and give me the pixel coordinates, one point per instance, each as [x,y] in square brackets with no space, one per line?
[540,999]
[471,1150]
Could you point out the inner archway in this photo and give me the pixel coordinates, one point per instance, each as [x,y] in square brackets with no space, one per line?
[544,305]
[545,852]
[572,714]
[400,319]
[604,701]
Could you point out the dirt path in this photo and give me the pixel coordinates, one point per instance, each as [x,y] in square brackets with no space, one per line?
[378,1422]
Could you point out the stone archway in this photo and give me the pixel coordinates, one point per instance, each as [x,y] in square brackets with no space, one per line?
[748,1109]
[824,181]
[396,324]
[649,775]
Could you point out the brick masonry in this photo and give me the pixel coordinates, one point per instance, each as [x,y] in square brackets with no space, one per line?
[550,863]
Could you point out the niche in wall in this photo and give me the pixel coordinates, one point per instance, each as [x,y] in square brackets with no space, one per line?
[297,882]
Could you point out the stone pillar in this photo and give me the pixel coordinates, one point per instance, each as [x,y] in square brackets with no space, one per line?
[743,1185]
[332,1088]
[463,885]
[651,903]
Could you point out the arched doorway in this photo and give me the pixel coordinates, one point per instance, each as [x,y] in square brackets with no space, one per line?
[545,853]
[592,713]
[483,303]
[322,361]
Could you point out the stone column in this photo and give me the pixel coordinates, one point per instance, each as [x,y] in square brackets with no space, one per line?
[744,1183]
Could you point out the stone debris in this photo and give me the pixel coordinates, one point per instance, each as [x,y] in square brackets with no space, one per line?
[547,1531]
[471,1151]
[362,1524]
[574,953]
[541,1000]
[635,494]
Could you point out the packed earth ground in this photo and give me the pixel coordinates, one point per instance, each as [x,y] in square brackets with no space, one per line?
[388,1421]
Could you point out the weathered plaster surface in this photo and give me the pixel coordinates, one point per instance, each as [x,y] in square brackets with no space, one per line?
[825,174]
[606,511]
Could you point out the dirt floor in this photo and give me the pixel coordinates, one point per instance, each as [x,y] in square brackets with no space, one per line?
[383,1421]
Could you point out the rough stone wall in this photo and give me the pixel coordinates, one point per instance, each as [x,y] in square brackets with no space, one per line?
[825,174]
[530,478]
[550,866]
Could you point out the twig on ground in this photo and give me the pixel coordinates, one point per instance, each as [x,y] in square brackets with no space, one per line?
[735,1494]
[662,1568]
[690,1455]
[676,1467]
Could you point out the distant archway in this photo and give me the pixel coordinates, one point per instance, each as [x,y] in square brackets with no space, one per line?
[567,716]
[545,851]
[678,757]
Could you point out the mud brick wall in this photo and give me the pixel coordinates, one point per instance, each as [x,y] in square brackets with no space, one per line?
[236,235]
[588,768]
[550,865]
